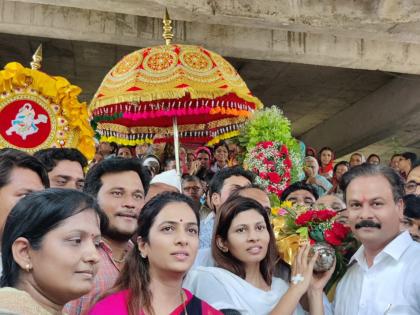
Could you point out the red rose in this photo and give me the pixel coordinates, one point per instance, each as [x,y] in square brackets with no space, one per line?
[283,150]
[266,144]
[331,238]
[287,163]
[279,192]
[263,175]
[274,177]
[260,155]
[325,215]
[304,218]
[340,230]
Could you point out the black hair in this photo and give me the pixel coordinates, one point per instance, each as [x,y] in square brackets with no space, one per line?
[345,163]
[51,156]
[130,148]
[233,206]
[410,156]
[10,151]
[217,182]
[152,208]
[167,160]
[364,170]
[114,147]
[93,182]
[325,149]
[299,186]
[203,150]
[395,155]
[190,178]
[135,274]
[220,144]
[205,174]
[238,190]
[373,155]
[412,206]
[12,158]
[33,217]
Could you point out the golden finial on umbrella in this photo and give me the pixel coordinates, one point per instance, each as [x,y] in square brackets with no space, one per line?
[167,28]
[37,58]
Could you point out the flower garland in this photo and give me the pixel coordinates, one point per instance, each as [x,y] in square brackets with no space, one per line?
[295,224]
[125,141]
[311,224]
[222,137]
[271,163]
[270,124]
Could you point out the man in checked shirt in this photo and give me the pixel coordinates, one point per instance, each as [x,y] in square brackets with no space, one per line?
[120,186]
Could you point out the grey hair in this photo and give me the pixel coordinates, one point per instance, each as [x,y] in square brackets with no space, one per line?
[365,170]
[312,159]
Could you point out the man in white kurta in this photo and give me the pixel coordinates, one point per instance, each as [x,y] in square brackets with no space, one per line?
[384,276]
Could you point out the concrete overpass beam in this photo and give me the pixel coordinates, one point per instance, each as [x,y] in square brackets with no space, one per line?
[375,117]
[43,20]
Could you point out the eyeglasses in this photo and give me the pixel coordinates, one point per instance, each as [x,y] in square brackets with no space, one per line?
[192,189]
[411,186]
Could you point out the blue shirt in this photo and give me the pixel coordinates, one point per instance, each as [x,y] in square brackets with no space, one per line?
[325,182]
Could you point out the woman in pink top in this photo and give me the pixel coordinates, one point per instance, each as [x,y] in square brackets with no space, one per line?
[151,281]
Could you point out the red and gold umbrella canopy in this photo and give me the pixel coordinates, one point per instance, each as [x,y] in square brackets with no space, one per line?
[143,92]
[39,111]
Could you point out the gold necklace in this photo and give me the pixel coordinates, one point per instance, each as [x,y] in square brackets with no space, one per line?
[121,260]
[118,261]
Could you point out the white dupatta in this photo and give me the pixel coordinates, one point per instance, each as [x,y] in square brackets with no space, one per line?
[224,290]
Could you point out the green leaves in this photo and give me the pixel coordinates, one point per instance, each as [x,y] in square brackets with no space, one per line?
[317,234]
[270,124]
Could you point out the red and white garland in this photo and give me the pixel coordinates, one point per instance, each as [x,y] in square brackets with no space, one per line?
[271,162]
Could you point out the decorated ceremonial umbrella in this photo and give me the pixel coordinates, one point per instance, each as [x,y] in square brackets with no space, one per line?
[39,111]
[170,91]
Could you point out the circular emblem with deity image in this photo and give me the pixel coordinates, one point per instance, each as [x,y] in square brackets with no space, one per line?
[25,123]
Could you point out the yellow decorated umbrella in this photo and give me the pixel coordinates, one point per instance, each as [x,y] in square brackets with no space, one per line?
[39,111]
[171,91]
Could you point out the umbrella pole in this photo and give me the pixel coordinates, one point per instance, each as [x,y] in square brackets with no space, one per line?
[176,145]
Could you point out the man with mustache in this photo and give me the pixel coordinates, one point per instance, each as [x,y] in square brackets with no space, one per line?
[120,186]
[384,274]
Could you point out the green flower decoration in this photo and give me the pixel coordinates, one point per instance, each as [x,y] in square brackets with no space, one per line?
[270,124]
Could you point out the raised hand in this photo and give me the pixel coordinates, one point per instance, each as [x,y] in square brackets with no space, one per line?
[319,280]
[302,269]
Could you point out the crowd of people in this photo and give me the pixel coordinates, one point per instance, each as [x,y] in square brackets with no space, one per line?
[124,234]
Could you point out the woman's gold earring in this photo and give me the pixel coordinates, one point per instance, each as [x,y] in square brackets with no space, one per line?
[143,255]
[28,267]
